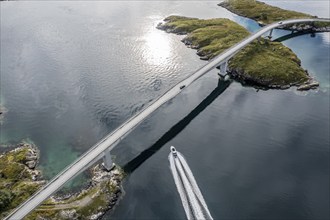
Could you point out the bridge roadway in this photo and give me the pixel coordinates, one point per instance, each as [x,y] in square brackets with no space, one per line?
[110,141]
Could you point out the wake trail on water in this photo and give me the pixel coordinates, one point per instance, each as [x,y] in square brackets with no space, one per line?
[180,189]
[191,197]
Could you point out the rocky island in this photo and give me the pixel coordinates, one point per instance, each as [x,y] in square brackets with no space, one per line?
[20,178]
[262,64]
[266,14]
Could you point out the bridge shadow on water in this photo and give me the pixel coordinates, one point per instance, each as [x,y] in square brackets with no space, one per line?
[294,34]
[176,129]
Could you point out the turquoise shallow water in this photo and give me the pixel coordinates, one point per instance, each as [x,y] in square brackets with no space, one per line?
[71,72]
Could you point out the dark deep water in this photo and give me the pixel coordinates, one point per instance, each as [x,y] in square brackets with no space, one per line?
[71,72]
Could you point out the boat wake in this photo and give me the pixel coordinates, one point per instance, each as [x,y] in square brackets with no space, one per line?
[192,199]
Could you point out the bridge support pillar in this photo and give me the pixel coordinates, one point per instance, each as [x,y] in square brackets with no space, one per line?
[223,70]
[270,34]
[107,161]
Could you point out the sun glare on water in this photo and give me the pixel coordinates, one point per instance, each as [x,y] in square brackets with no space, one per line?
[157,47]
[326,37]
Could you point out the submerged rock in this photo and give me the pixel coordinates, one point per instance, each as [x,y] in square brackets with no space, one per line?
[3,111]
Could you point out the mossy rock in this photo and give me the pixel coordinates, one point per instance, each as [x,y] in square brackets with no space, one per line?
[16,182]
[210,36]
[268,64]
[260,11]
[6,196]
[12,164]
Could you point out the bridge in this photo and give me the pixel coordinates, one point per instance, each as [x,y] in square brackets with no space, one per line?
[103,147]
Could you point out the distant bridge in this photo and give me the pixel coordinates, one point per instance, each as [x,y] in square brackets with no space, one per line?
[102,148]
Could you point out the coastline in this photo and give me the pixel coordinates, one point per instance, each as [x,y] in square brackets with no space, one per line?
[101,194]
[262,64]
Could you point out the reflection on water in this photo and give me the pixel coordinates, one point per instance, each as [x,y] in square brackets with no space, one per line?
[71,73]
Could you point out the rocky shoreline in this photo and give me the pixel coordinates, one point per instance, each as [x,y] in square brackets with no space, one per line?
[92,202]
[245,79]
[27,154]
[20,178]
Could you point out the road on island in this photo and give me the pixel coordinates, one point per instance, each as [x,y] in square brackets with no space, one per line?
[110,141]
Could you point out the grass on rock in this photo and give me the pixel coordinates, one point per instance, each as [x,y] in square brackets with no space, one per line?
[260,11]
[262,62]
